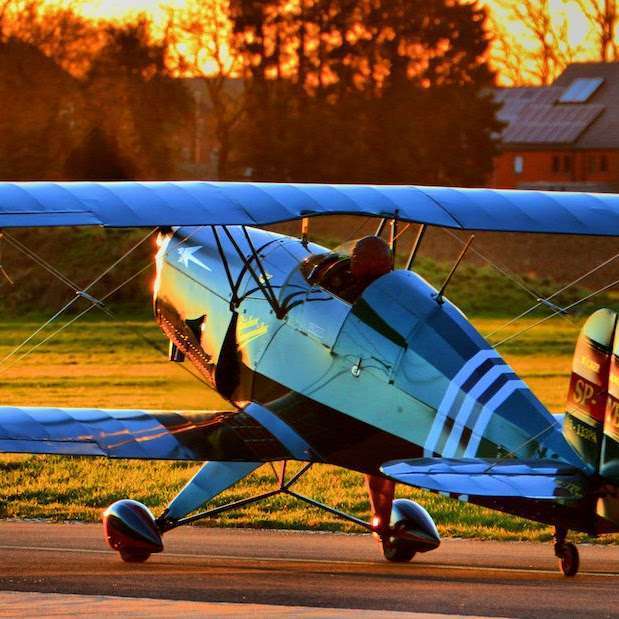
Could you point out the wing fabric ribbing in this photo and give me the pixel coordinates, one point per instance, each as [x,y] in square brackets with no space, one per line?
[149,435]
[193,203]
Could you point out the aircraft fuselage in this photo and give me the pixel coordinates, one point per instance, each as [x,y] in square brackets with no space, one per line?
[395,374]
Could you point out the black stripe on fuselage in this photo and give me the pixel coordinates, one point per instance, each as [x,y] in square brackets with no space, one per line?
[471,381]
[334,437]
[364,311]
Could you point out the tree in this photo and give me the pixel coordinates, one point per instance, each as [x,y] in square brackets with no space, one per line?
[40,120]
[202,47]
[371,90]
[98,158]
[534,46]
[136,102]
[69,39]
[602,15]
[43,52]
[70,88]
[435,106]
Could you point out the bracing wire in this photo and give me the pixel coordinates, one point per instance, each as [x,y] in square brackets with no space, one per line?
[514,452]
[501,269]
[111,315]
[78,293]
[556,312]
[17,244]
[355,231]
[402,231]
[46,339]
[541,302]
[554,294]
[98,303]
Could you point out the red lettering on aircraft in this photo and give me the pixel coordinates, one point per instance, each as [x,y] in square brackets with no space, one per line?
[587,397]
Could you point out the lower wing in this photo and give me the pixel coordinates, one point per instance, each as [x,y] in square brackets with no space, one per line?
[508,478]
[240,435]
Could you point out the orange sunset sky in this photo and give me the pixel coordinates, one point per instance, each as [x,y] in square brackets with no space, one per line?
[119,9]
[564,10]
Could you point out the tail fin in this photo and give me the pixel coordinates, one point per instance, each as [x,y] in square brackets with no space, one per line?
[588,399]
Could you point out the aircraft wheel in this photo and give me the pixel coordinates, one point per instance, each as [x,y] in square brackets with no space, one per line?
[134,557]
[397,551]
[570,560]
[130,528]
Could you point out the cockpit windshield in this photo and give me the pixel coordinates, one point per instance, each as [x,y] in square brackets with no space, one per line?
[348,276]
[329,271]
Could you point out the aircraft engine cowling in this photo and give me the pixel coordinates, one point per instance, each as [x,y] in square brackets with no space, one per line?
[412,524]
[130,528]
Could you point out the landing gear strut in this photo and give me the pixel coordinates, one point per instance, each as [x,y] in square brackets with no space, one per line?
[402,526]
[131,529]
[566,552]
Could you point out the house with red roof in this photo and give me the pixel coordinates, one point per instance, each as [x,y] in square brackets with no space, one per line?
[564,136]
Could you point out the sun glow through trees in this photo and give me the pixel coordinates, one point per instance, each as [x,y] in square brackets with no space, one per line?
[573,33]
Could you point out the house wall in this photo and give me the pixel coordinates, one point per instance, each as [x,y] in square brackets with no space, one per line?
[517,167]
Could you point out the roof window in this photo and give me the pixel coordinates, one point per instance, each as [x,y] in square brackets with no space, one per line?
[581,89]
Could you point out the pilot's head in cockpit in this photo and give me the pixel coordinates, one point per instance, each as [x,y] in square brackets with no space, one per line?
[370,258]
[348,276]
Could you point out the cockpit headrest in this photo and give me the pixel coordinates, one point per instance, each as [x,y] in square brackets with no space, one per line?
[370,258]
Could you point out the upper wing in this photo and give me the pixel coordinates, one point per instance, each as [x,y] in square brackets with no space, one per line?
[152,204]
[162,435]
[538,479]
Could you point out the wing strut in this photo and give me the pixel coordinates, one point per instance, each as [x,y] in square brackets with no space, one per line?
[262,279]
[393,237]
[2,269]
[441,293]
[416,246]
[222,254]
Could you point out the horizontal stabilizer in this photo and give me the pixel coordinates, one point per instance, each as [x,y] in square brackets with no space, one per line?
[538,479]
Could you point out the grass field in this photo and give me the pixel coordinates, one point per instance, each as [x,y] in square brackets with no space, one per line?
[110,365]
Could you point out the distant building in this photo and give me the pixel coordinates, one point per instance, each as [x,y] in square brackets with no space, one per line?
[564,136]
[201,148]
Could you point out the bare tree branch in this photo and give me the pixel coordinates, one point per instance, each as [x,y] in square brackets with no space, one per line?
[202,42]
[58,31]
[541,48]
[602,15]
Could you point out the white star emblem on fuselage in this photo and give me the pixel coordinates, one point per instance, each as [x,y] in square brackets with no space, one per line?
[186,255]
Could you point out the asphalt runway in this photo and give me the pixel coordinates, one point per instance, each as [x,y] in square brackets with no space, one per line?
[309,569]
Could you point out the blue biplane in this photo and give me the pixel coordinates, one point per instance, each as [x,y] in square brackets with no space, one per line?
[336,357]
